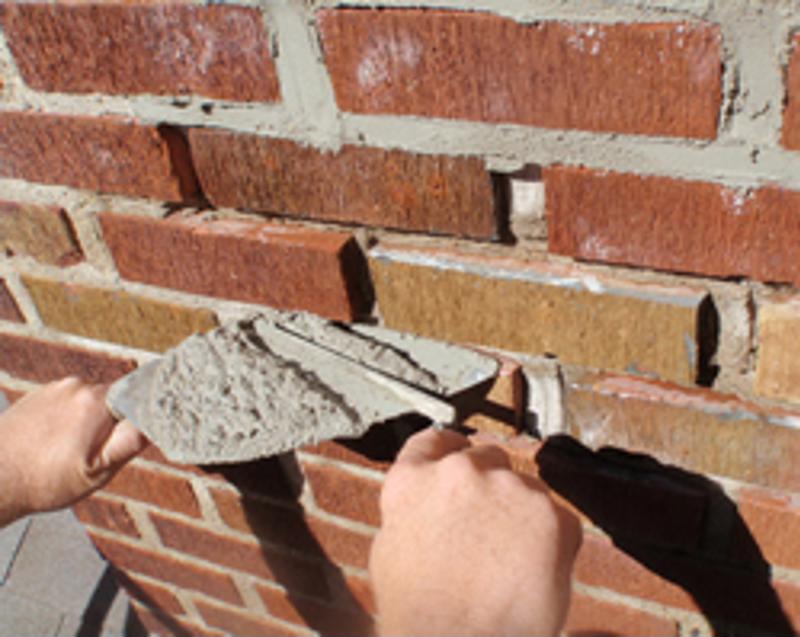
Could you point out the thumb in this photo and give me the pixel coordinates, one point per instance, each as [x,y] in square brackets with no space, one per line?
[124,442]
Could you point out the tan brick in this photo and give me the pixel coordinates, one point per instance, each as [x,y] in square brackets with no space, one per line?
[539,308]
[696,429]
[778,366]
[114,315]
[9,310]
[42,232]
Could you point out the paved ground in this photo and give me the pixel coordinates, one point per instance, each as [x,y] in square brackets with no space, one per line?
[53,582]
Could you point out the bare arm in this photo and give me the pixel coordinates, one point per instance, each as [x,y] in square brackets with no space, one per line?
[57,445]
[468,547]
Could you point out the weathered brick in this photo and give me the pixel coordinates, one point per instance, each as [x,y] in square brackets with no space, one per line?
[293,573]
[42,361]
[673,224]
[105,514]
[371,186]
[183,573]
[778,365]
[343,493]
[115,315]
[773,519]
[590,616]
[246,624]
[652,79]
[541,308]
[42,232]
[156,487]
[323,618]
[105,154]
[9,310]
[276,265]
[791,113]
[125,48]
[695,429]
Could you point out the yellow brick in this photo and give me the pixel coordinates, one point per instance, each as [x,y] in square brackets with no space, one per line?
[778,366]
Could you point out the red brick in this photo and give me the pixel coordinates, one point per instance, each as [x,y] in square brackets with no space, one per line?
[11,395]
[155,487]
[348,452]
[105,154]
[627,495]
[791,113]
[323,618]
[651,79]
[773,519]
[370,186]
[9,311]
[655,222]
[361,590]
[235,622]
[696,429]
[105,514]
[248,556]
[276,265]
[539,307]
[339,544]
[162,624]
[589,616]
[155,596]
[789,595]
[183,573]
[500,410]
[274,524]
[42,232]
[125,49]
[343,493]
[40,361]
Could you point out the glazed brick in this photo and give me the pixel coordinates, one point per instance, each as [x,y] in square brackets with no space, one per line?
[590,616]
[163,567]
[275,265]
[126,49]
[370,186]
[773,519]
[343,493]
[115,315]
[152,594]
[235,622]
[778,364]
[656,222]
[104,513]
[791,113]
[41,362]
[248,556]
[540,308]
[323,618]
[104,154]
[650,79]
[42,232]
[9,311]
[155,487]
[697,430]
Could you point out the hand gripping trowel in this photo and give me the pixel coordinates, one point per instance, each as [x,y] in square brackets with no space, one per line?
[270,384]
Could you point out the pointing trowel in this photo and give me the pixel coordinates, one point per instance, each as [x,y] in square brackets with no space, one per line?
[272,383]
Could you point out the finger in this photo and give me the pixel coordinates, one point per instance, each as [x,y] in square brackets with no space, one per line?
[124,442]
[487,457]
[430,445]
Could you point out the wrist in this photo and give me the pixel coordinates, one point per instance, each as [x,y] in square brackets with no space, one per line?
[13,497]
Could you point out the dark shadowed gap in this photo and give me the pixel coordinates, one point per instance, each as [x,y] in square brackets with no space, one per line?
[691,535]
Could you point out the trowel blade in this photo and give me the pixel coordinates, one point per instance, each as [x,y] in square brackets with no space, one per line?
[270,384]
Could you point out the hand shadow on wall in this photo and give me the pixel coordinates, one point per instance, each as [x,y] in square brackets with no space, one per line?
[679,525]
[315,587]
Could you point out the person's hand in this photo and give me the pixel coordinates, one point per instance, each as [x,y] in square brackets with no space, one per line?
[467,546]
[57,445]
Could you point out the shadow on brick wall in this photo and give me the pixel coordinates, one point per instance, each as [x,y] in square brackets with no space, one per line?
[677,524]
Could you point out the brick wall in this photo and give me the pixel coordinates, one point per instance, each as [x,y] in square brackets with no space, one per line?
[606,195]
